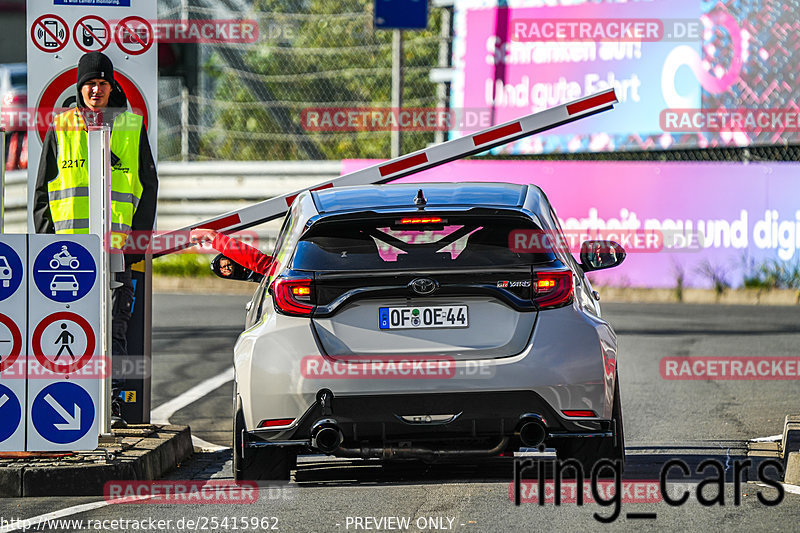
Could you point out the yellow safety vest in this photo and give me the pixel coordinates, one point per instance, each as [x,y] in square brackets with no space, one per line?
[69,191]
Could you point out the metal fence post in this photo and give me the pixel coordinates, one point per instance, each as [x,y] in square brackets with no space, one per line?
[397,90]
[100,224]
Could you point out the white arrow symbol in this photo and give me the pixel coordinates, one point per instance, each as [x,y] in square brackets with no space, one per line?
[3,400]
[72,422]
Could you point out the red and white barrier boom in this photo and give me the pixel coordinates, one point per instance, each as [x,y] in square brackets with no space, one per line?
[410,164]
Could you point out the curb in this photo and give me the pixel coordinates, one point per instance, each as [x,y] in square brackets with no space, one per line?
[140,452]
[790,449]
[792,476]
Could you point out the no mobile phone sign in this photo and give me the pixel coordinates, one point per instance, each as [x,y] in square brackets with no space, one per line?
[50,33]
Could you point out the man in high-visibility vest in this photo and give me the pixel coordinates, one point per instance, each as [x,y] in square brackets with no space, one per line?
[61,199]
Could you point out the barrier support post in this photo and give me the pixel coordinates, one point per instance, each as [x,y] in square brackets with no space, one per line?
[100,224]
[2,180]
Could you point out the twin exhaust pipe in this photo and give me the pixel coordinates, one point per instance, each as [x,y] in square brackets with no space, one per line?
[327,437]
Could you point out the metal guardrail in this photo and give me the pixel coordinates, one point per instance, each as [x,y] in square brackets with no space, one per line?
[192,192]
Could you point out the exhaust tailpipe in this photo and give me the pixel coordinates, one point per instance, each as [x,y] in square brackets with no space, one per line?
[326,436]
[532,433]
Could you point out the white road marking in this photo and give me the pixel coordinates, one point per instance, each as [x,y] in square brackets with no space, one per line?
[794,489]
[28,523]
[162,413]
[771,438]
[31,523]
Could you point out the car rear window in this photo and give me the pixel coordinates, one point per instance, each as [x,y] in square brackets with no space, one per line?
[400,243]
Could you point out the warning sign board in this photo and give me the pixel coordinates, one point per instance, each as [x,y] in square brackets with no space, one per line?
[13,340]
[64,342]
[62,415]
[134,35]
[10,341]
[92,34]
[73,28]
[64,339]
[49,33]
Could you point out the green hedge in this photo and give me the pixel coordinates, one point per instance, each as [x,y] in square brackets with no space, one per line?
[184,265]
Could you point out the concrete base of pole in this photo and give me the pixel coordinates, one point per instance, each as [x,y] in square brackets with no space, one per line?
[792,469]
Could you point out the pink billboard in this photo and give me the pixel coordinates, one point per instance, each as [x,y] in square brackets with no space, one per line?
[688,73]
[718,219]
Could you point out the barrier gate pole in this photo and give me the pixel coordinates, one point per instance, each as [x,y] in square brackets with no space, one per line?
[100,224]
[2,180]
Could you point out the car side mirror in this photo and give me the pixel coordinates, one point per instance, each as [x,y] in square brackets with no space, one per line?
[226,268]
[597,255]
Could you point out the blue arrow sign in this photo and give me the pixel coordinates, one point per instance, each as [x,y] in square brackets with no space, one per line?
[63,412]
[10,413]
[64,271]
[10,271]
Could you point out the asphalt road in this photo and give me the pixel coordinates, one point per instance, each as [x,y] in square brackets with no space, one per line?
[664,419]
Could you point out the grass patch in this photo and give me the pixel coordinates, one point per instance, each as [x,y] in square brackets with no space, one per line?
[772,274]
[183,265]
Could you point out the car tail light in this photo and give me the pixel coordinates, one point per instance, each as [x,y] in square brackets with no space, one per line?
[553,289]
[582,413]
[276,422]
[293,296]
[421,220]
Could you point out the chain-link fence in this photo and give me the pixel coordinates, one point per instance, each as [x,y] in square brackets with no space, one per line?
[745,154]
[248,99]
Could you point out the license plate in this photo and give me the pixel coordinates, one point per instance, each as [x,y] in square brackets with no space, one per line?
[439,316]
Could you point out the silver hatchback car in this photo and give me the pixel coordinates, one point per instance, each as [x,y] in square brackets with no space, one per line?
[402,322]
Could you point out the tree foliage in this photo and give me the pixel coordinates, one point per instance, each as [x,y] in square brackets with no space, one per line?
[313,54]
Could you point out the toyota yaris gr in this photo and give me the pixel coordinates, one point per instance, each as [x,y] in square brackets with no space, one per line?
[404,322]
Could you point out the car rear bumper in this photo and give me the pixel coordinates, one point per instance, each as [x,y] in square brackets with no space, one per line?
[433,426]
[568,365]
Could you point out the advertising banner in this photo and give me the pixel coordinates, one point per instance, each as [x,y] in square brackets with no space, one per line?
[714,219]
[689,74]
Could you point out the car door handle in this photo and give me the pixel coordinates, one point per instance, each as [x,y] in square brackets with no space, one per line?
[248,305]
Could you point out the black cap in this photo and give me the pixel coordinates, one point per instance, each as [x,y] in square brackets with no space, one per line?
[95,65]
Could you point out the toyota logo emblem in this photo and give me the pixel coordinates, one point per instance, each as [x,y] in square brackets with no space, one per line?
[423,285]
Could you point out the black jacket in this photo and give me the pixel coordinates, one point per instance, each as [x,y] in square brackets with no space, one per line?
[143,218]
